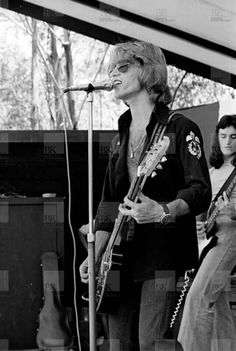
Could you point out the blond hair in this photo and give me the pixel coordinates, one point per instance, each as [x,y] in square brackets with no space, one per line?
[154,69]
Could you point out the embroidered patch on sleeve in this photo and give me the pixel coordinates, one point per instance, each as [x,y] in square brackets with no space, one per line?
[194,146]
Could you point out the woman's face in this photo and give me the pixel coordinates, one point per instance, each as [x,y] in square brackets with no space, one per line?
[227,141]
[124,75]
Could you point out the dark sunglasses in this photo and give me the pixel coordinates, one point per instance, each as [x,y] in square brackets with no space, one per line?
[122,68]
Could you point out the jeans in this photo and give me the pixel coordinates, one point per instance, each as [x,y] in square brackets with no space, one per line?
[146,328]
[207,321]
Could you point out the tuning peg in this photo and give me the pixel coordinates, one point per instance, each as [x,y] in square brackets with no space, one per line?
[164,159]
[153,174]
[159,166]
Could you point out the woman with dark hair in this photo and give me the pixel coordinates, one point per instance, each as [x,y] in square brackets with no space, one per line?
[217,156]
[207,322]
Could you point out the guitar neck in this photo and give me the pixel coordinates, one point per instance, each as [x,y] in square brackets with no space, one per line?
[145,168]
[214,209]
[135,187]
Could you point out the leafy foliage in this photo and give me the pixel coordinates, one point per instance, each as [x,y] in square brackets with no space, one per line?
[31,85]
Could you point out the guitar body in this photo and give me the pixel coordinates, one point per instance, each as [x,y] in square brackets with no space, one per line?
[108,281]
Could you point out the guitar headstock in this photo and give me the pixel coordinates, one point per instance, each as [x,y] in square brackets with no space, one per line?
[153,157]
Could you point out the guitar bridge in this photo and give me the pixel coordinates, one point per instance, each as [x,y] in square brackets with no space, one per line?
[106,265]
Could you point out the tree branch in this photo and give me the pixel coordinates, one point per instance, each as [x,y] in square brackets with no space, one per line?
[176,90]
[93,80]
[47,67]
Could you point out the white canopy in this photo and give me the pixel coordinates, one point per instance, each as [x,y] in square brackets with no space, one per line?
[196,35]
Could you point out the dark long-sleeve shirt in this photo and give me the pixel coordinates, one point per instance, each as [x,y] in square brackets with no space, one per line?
[184,175]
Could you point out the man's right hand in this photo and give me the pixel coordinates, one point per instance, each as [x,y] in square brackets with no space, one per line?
[83,270]
[101,240]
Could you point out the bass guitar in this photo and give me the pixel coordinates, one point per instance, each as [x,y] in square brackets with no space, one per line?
[211,239]
[107,282]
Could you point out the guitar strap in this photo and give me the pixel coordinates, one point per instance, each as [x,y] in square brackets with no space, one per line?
[157,134]
[225,185]
[222,189]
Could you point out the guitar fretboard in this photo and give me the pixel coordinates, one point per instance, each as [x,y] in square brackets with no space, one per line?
[135,187]
[155,153]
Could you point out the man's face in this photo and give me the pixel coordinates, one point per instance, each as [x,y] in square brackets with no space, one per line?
[124,75]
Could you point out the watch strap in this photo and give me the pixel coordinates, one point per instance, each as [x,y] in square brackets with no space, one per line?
[165,209]
[166,216]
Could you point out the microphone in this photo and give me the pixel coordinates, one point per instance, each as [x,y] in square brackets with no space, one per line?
[103,85]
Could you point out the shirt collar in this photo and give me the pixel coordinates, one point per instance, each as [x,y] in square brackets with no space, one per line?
[160,113]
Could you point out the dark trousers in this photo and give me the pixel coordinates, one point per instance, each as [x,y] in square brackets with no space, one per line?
[142,320]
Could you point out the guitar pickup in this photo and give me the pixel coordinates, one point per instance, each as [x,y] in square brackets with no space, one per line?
[117,259]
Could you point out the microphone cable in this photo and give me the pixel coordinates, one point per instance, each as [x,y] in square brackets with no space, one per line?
[60,96]
[69,219]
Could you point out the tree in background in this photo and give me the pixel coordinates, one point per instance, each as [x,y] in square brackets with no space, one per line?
[38,59]
[189,89]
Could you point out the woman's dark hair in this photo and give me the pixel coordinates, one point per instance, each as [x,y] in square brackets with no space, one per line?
[216,157]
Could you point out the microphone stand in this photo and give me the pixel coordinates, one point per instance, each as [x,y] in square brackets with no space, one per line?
[91,235]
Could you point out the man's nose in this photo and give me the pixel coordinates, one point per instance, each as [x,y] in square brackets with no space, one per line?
[114,73]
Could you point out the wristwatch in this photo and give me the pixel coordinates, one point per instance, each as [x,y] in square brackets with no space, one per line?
[166,216]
